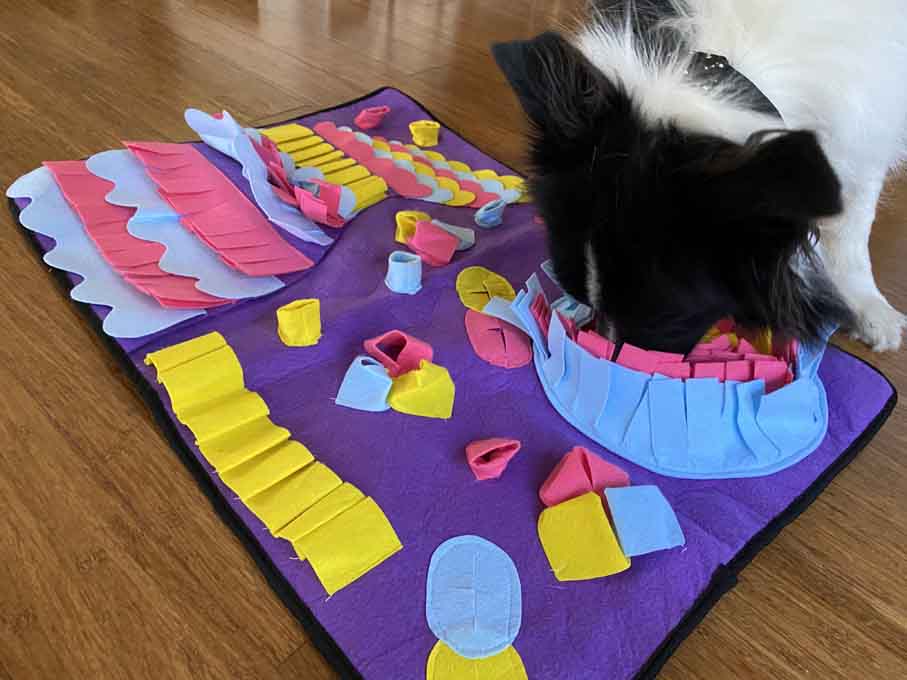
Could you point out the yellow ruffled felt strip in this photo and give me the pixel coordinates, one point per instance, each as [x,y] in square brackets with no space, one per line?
[342,533]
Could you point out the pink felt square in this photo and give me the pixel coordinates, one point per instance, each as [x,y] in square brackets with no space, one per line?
[682,370]
[774,373]
[638,359]
[709,370]
[433,244]
[595,344]
[739,370]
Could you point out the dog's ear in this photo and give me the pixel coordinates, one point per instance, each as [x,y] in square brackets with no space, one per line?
[776,175]
[560,91]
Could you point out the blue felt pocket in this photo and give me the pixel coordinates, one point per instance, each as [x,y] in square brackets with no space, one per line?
[667,408]
[791,417]
[625,395]
[749,398]
[593,389]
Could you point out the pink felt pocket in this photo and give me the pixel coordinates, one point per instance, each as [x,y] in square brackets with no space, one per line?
[433,244]
[579,472]
[496,341]
[371,117]
[398,352]
[488,458]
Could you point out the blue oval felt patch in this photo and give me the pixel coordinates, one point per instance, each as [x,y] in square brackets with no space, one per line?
[473,601]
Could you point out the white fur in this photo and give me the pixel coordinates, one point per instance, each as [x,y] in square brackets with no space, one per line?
[832,66]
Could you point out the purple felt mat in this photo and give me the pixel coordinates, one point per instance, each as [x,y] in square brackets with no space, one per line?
[416,470]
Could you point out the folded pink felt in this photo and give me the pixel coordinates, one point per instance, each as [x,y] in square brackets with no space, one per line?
[579,472]
[488,458]
[371,117]
[496,341]
[398,352]
[433,244]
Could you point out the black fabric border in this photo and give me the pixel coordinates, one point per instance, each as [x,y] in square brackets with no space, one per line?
[723,580]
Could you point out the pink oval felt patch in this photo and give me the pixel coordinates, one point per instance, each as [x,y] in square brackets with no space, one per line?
[497,342]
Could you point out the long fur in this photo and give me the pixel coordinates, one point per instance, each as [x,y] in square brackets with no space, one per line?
[670,204]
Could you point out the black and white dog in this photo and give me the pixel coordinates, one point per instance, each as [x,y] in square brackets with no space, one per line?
[701,159]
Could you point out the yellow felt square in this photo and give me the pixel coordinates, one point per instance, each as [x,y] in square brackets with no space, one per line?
[445,664]
[170,357]
[267,469]
[312,152]
[347,175]
[241,443]
[423,169]
[401,156]
[485,174]
[350,545]
[457,166]
[579,541]
[286,133]
[300,144]
[427,391]
[220,417]
[334,166]
[285,501]
[378,145]
[321,161]
[203,380]
[339,500]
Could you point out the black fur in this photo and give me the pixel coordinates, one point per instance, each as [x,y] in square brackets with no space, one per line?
[685,229]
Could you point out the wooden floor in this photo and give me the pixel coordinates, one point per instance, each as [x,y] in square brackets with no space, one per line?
[112,562]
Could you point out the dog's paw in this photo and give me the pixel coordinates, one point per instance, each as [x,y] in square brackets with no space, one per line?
[879,325]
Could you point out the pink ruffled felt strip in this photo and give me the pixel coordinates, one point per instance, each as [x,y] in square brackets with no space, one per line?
[496,341]
[488,458]
[403,181]
[216,211]
[136,260]
[398,352]
[579,472]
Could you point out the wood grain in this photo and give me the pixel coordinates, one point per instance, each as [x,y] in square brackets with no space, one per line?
[112,563]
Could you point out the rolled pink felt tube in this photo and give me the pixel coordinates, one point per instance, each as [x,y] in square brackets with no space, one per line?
[433,244]
[488,458]
[398,352]
[371,117]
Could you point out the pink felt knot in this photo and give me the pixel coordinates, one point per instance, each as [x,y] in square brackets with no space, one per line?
[433,244]
[371,117]
[579,472]
[398,352]
[488,458]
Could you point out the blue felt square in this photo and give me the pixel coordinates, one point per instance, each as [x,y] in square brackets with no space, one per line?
[643,519]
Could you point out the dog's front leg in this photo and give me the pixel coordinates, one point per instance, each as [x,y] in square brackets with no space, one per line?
[845,250]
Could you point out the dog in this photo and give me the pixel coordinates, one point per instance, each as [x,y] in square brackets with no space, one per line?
[701,159]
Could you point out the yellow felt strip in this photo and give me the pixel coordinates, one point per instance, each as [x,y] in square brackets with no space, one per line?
[321,161]
[170,357]
[334,166]
[242,443]
[350,545]
[267,469]
[433,155]
[445,664]
[339,500]
[203,380]
[286,133]
[312,152]
[347,175]
[579,541]
[402,156]
[220,417]
[368,191]
[300,144]
[485,174]
[378,145]
[457,166]
[286,500]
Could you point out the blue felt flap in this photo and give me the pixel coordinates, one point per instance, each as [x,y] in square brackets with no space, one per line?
[555,365]
[749,397]
[567,389]
[705,405]
[625,395]
[667,407]
[594,385]
[790,417]
[521,305]
[473,599]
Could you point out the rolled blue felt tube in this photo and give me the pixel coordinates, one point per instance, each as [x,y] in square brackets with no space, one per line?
[365,386]
[404,272]
[491,214]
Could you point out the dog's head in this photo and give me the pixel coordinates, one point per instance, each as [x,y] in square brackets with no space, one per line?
[665,231]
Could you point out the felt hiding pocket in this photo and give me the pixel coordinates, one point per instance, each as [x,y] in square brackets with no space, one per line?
[242,443]
[267,469]
[335,503]
[669,422]
[790,417]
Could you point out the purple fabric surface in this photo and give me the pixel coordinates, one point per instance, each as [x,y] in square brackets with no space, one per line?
[416,468]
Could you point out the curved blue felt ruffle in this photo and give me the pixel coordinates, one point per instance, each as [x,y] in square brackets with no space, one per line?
[133,314]
[699,428]
[154,220]
[473,600]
